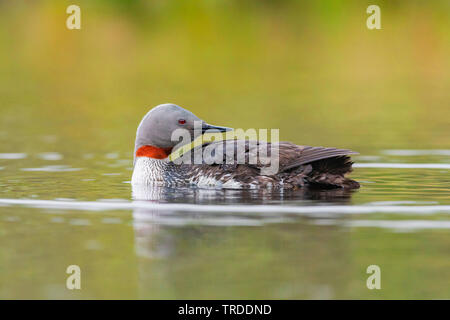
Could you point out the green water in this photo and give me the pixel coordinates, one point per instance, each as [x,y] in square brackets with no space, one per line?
[175,253]
[70,102]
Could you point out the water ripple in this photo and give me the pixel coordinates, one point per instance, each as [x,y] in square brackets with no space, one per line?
[406,152]
[13,156]
[54,168]
[197,208]
[50,156]
[398,225]
[403,165]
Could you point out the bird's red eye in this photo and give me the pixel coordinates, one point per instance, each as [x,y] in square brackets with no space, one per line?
[181,121]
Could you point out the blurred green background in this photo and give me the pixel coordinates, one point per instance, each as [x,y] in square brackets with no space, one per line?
[311,68]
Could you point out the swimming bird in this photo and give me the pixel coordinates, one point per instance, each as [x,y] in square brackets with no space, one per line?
[233,163]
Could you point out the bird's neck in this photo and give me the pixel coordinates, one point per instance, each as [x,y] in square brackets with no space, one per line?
[153,152]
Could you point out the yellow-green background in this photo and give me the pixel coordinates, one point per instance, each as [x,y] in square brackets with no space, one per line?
[310,68]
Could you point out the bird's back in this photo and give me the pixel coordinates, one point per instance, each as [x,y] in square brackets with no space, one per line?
[256,164]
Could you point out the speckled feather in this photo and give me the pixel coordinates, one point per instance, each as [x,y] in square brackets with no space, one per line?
[299,166]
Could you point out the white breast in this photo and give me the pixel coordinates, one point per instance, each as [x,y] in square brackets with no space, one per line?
[148,171]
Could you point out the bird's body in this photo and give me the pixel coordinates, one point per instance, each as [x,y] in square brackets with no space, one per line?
[238,164]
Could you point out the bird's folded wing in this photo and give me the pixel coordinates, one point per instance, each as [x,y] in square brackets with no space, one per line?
[310,154]
[287,154]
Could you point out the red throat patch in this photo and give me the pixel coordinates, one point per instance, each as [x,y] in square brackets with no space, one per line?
[153,152]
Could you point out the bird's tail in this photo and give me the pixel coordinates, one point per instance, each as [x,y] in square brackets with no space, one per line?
[330,173]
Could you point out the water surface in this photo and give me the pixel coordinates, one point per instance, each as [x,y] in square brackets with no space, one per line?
[57,210]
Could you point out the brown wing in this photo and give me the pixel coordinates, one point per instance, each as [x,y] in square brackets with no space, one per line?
[306,154]
[290,155]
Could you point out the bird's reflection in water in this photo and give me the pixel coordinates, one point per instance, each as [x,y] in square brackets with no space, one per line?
[238,197]
[149,221]
[191,237]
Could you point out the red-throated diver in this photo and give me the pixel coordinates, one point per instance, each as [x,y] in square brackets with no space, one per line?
[298,166]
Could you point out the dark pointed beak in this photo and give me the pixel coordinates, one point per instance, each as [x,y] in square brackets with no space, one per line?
[211,128]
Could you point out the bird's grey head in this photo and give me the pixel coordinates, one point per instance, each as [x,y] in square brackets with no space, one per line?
[158,125]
